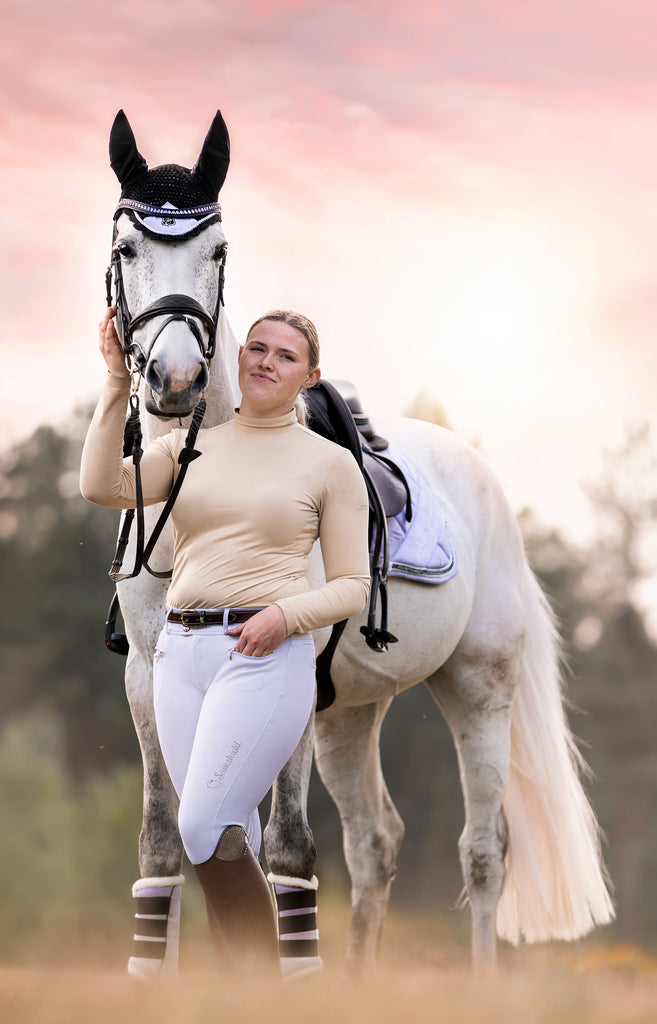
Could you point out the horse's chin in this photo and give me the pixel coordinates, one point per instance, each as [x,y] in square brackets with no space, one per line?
[174,406]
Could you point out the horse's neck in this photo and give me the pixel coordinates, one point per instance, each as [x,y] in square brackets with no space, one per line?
[221,394]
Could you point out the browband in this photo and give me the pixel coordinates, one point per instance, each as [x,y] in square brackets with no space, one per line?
[168,221]
[196,211]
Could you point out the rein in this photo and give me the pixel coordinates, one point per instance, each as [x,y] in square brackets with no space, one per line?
[174,307]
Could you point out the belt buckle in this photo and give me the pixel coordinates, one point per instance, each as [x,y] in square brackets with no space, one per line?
[187,624]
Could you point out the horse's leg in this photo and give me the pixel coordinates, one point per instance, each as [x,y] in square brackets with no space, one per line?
[158,892]
[349,762]
[475,696]
[291,857]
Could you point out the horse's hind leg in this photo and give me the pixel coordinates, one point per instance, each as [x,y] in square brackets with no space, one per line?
[349,763]
[475,697]
[291,858]
[158,891]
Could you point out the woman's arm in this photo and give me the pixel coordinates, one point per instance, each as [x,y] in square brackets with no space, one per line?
[343,539]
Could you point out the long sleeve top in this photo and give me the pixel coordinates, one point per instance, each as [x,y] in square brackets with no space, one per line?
[248,512]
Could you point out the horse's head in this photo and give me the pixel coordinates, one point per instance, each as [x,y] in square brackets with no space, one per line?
[168,254]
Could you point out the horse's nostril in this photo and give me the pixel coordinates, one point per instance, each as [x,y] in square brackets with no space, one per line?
[153,376]
[201,379]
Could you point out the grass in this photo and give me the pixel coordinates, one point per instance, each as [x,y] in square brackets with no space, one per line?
[423,976]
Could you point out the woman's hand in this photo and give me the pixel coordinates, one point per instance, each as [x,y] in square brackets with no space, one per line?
[261,634]
[110,346]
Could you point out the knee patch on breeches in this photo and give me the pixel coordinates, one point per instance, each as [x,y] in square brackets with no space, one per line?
[232,844]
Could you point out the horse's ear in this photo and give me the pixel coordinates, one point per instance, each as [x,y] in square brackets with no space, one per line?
[127,162]
[212,165]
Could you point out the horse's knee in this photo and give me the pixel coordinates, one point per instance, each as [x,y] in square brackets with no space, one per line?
[373,857]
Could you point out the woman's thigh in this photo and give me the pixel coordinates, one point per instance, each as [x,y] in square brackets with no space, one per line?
[178,695]
[252,718]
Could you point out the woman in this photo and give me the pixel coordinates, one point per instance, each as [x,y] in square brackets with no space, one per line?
[234,679]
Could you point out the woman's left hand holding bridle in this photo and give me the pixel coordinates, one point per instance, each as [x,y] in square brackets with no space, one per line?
[110,346]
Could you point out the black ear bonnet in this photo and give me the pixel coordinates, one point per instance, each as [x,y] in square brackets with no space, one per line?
[170,201]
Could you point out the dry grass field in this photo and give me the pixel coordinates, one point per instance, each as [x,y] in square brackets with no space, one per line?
[422,977]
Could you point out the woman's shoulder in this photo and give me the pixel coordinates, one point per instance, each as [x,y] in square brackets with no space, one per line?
[332,457]
[320,444]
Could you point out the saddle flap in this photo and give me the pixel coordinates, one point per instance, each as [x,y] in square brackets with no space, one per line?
[391,490]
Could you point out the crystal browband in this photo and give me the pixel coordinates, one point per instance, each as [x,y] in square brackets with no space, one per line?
[167,210]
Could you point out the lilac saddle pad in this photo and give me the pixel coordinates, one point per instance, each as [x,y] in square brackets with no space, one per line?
[422,549]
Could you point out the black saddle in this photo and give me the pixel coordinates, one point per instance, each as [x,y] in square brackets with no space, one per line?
[335,412]
[361,419]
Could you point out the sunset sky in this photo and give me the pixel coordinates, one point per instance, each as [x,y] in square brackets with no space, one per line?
[461,195]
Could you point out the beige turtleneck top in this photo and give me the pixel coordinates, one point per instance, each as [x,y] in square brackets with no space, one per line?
[248,512]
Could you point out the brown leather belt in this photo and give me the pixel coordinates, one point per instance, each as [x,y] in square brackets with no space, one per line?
[198,619]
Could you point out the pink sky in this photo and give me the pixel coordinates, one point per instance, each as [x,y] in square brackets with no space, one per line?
[461,195]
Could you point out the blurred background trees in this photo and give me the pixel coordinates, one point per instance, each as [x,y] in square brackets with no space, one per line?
[70,773]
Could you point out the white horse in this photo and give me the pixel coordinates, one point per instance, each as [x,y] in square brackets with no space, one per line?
[483,643]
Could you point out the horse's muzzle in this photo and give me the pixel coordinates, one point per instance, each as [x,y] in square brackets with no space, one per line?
[168,396]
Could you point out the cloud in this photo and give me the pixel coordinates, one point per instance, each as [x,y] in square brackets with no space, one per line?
[368,139]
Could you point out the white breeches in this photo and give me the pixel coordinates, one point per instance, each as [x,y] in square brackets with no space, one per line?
[227,724]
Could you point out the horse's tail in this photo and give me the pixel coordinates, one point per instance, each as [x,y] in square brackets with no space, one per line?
[556,886]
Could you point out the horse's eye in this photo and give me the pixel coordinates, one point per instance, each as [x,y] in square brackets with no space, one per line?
[220,252]
[124,249]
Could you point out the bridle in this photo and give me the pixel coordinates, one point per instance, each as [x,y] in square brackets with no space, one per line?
[174,307]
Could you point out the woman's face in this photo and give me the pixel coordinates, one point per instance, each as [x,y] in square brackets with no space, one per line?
[273,369]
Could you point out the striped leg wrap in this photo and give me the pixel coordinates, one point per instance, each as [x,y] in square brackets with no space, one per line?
[157,927]
[298,937]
